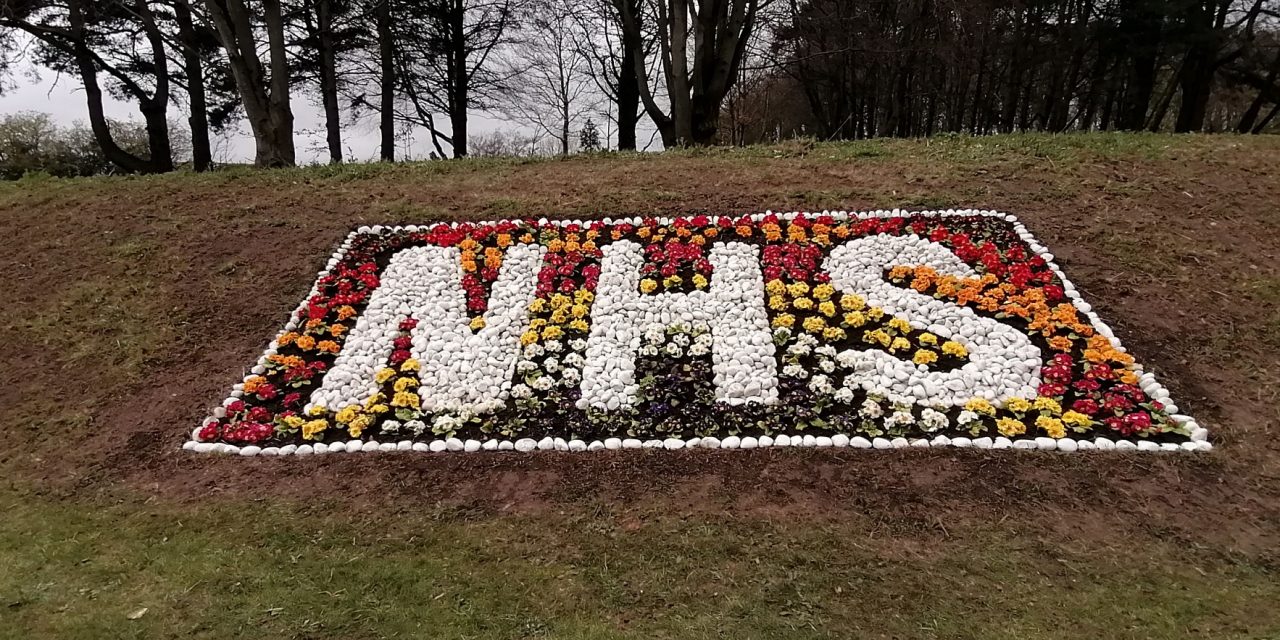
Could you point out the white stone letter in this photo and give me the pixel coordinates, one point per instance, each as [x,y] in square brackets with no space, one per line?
[1003,362]
[733,306]
[460,369]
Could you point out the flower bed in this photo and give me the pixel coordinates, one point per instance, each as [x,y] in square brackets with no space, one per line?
[882,330]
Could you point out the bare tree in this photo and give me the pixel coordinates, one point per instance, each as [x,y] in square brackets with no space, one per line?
[551,87]
[696,80]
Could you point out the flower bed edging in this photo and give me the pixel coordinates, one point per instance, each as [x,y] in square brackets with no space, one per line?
[748,392]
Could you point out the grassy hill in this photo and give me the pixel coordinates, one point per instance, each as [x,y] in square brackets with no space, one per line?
[133,304]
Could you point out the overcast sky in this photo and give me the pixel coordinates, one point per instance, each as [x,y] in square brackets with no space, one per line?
[41,90]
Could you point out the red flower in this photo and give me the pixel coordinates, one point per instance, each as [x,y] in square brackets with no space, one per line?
[1086,406]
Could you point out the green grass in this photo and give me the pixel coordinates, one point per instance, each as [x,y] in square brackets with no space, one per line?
[265,569]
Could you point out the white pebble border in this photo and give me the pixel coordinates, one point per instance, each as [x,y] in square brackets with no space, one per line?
[1199,440]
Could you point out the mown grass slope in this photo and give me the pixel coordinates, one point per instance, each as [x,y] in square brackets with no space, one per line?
[135,302]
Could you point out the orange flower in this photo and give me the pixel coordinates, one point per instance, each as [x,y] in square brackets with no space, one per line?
[1060,343]
[493,257]
[253,384]
[328,346]
[337,330]
[346,311]
[743,230]
[306,343]
[710,232]
[287,339]
[504,240]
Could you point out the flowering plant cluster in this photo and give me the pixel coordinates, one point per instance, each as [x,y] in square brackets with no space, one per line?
[878,330]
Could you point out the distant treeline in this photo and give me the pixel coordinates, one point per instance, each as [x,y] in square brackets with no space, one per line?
[843,69]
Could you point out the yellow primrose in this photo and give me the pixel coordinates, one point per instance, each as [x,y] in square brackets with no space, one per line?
[579,310]
[672,281]
[314,428]
[358,426]
[878,335]
[899,344]
[648,285]
[1008,427]
[1051,426]
[529,337]
[559,300]
[477,323]
[833,333]
[778,303]
[814,324]
[797,289]
[406,399]
[828,308]
[1044,403]
[852,302]
[582,296]
[899,325]
[928,338]
[875,313]
[317,410]
[293,422]
[784,320]
[855,319]
[405,383]
[699,281]
[379,409]
[924,356]
[537,305]
[980,405]
[953,348]
[560,316]
[410,365]
[347,414]
[804,304]
[823,291]
[579,325]
[537,323]
[775,287]
[384,374]
[1018,405]
[1076,419]
[552,332]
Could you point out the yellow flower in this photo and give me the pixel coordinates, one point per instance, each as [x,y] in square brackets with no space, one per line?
[374,399]
[582,296]
[778,303]
[828,308]
[814,324]
[1047,404]
[852,302]
[1076,419]
[579,310]
[953,348]
[928,338]
[1051,426]
[980,405]
[317,411]
[379,409]
[537,305]
[529,337]
[560,316]
[775,287]
[1018,405]
[579,325]
[648,285]
[404,384]
[405,399]
[899,344]
[537,323]
[560,300]
[804,304]
[899,325]
[823,291]
[924,356]
[699,281]
[833,333]
[477,323]
[409,365]
[855,319]
[314,428]
[552,332]
[1008,427]
[347,414]
[875,313]
[293,422]
[878,335]
[797,289]
[672,281]
[358,426]
[784,320]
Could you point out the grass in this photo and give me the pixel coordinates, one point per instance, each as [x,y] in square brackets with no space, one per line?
[160,270]
[266,569]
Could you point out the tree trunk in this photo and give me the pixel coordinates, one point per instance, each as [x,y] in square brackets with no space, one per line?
[628,94]
[387,83]
[266,108]
[329,80]
[458,102]
[201,150]
[88,69]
